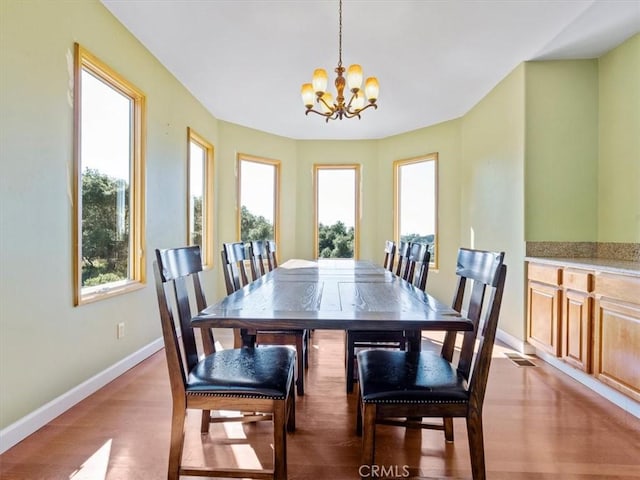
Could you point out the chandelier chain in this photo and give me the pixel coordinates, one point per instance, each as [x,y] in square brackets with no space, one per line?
[340,36]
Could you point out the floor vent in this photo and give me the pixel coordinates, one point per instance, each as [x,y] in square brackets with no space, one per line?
[519,360]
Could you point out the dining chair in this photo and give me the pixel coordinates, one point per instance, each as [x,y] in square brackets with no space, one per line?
[258,253]
[389,255]
[272,257]
[413,385]
[401,251]
[234,260]
[417,261]
[246,379]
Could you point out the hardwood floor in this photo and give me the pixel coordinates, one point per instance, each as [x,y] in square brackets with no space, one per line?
[539,424]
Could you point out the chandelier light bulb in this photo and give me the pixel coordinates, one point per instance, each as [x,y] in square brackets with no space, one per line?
[354,77]
[319,81]
[371,88]
[358,101]
[308,95]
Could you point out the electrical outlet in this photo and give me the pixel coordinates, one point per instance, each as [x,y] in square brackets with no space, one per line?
[120,330]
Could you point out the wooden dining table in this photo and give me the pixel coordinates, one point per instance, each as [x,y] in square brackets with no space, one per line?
[334,294]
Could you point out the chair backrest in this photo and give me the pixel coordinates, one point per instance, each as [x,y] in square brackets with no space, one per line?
[402,251]
[417,265]
[272,258]
[234,256]
[389,255]
[258,254]
[174,268]
[487,272]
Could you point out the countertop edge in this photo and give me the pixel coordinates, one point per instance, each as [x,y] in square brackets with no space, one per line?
[599,264]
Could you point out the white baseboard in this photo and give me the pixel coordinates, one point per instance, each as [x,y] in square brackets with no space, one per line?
[615,397]
[515,343]
[18,431]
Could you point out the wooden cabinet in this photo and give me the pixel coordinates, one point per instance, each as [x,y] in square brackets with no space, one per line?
[617,332]
[588,318]
[576,319]
[544,303]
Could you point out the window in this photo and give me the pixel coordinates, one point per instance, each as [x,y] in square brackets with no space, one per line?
[108,181]
[337,207]
[416,202]
[200,196]
[258,192]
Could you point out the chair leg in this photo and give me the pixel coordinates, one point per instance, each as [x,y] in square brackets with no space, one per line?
[448,429]
[300,367]
[359,414]
[177,441]
[368,435]
[280,440]
[350,362]
[291,410]
[476,445]
[205,421]
[307,343]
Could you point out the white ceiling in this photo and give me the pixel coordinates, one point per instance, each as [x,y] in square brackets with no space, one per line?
[245,60]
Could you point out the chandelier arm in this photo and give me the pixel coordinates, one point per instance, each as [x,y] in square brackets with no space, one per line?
[316,112]
[332,108]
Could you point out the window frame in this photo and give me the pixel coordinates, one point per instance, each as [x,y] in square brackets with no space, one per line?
[240,157]
[207,197]
[357,205]
[84,60]
[430,157]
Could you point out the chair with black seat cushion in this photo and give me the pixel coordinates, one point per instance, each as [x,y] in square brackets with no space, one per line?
[258,253]
[234,260]
[397,385]
[402,251]
[247,379]
[272,256]
[389,255]
[416,262]
[416,271]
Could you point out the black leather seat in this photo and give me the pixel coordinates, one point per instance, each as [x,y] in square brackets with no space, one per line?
[396,376]
[254,372]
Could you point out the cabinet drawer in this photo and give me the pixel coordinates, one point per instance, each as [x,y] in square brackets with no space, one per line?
[622,287]
[579,280]
[545,273]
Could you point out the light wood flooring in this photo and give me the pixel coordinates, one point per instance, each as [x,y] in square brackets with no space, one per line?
[539,425]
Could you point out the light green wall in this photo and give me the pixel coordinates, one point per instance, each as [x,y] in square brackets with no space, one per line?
[444,139]
[47,346]
[561,150]
[619,148]
[492,187]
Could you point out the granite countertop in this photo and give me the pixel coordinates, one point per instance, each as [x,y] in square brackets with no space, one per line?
[600,264]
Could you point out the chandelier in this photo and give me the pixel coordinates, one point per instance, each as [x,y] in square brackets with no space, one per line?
[316,91]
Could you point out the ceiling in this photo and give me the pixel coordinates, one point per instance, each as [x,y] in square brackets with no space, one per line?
[245,60]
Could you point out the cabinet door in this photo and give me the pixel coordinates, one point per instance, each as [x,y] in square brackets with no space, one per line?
[543,315]
[617,333]
[576,329]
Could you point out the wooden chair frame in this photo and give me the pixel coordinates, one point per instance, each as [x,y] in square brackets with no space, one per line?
[172,270]
[487,270]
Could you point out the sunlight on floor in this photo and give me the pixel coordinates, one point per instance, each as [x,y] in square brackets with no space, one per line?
[95,467]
